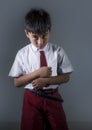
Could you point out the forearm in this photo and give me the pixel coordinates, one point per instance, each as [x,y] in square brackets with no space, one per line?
[28,78]
[25,79]
[53,80]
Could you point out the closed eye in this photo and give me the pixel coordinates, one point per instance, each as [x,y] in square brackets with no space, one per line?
[35,37]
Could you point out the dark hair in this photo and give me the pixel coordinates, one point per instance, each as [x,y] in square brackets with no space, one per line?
[37,21]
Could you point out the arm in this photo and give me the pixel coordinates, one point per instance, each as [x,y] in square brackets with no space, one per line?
[52,80]
[60,79]
[28,78]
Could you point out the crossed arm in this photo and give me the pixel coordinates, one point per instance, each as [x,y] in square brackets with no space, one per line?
[40,78]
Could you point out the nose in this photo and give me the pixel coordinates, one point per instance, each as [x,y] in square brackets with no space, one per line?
[40,41]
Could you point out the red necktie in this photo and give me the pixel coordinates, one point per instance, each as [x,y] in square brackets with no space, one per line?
[43,61]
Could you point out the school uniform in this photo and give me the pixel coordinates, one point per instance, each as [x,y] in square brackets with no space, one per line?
[36,109]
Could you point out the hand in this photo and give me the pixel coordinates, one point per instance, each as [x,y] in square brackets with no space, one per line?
[45,71]
[39,82]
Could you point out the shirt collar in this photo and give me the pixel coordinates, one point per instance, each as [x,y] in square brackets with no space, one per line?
[46,48]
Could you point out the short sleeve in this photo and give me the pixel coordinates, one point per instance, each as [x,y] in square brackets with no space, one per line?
[64,64]
[17,67]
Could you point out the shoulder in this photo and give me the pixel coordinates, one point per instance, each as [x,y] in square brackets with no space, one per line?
[24,50]
[56,47]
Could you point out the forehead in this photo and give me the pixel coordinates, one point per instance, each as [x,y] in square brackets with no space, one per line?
[40,34]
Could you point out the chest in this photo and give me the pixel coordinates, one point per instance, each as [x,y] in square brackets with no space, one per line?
[31,61]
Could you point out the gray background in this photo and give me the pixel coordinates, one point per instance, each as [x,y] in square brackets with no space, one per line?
[72,28]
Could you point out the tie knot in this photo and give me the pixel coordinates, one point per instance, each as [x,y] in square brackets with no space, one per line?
[42,52]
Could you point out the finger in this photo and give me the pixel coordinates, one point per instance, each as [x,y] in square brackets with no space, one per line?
[49,68]
[50,72]
[34,84]
[37,88]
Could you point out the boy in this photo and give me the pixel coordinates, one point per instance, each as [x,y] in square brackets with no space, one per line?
[41,76]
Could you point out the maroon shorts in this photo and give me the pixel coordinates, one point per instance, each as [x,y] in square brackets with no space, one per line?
[39,112]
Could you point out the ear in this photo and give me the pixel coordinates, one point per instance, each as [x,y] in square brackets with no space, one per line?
[27,34]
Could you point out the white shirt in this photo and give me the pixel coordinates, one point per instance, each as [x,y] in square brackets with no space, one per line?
[27,60]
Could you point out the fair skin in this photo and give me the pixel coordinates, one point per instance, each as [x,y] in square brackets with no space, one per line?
[42,76]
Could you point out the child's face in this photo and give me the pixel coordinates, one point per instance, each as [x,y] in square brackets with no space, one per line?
[39,40]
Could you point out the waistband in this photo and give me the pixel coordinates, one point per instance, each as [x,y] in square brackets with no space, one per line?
[46,93]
